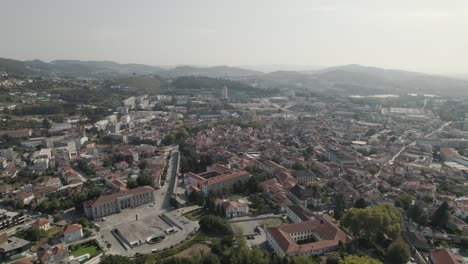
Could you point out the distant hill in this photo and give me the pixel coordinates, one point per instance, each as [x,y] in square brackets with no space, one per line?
[344,80]
[113,69]
[214,72]
[10,65]
[357,79]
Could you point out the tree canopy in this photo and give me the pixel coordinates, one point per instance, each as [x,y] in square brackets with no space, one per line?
[441,216]
[369,222]
[359,260]
[398,252]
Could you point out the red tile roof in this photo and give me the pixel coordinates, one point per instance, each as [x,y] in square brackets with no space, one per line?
[44,256]
[446,256]
[225,177]
[327,229]
[22,195]
[39,222]
[72,228]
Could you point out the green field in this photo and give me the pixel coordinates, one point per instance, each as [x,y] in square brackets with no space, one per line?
[86,248]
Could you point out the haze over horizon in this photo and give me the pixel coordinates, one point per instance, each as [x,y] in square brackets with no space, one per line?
[424,36]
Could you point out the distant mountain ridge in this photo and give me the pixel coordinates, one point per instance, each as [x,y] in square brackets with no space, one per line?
[346,79]
[110,68]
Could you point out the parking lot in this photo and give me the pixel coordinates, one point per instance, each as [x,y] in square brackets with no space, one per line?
[249,229]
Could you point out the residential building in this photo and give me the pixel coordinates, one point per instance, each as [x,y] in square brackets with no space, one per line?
[52,182]
[342,158]
[304,176]
[9,219]
[458,224]
[24,197]
[12,247]
[21,133]
[54,255]
[41,164]
[72,233]
[114,203]
[234,208]
[307,197]
[41,223]
[291,239]
[3,163]
[445,256]
[461,207]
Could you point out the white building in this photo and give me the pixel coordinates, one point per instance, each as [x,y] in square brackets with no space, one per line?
[41,164]
[72,233]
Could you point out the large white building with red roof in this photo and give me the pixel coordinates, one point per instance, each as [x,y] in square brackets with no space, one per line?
[326,236]
[216,178]
[114,203]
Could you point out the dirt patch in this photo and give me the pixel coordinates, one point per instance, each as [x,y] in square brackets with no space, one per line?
[194,250]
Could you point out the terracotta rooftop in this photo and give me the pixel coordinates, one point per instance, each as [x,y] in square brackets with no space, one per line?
[44,256]
[39,222]
[225,177]
[325,227]
[446,256]
[72,228]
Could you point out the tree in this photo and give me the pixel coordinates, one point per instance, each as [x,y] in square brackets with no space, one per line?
[115,259]
[441,216]
[417,214]
[253,186]
[46,124]
[144,180]
[371,132]
[215,225]
[404,201]
[298,166]
[132,184]
[373,169]
[360,203]
[173,202]
[464,244]
[359,260]
[334,258]
[143,165]
[398,252]
[371,221]
[209,259]
[340,206]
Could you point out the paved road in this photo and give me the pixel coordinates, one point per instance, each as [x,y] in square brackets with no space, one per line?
[392,160]
[163,195]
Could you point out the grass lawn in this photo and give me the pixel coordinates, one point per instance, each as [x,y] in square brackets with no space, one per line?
[195,215]
[270,222]
[199,237]
[83,249]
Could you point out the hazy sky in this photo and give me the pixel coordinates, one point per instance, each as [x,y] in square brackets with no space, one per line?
[423,35]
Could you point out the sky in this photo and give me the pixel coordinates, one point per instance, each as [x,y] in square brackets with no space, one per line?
[419,35]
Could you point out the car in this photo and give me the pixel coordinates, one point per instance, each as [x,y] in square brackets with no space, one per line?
[154,250]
